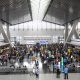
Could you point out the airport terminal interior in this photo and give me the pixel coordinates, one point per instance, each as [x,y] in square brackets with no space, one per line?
[39,39]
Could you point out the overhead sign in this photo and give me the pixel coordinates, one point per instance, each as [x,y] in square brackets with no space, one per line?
[30,42]
[43,42]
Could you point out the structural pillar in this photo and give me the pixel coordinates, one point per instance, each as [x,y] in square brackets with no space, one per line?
[8,32]
[73,31]
[3,33]
[66,32]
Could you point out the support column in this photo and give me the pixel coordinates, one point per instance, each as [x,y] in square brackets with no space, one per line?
[66,32]
[0,32]
[76,34]
[8,32]
[73,31]
[3,33]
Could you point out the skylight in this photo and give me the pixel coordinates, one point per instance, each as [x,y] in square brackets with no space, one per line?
[39,8]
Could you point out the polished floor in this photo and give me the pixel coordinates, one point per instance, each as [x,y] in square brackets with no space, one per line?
[42,76]
[72,76]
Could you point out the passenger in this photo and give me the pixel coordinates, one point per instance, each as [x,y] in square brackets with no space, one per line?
[58,73]
[66,72]
[37,72]
[36,63]
[34,69]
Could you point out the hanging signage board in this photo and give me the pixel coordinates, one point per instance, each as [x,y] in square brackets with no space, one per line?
[30,42]
[43,42]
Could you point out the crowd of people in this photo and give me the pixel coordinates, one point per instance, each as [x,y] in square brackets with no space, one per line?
[56,57]
[4,53]
[53,54]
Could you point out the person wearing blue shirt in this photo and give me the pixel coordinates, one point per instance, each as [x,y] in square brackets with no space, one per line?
[65,72]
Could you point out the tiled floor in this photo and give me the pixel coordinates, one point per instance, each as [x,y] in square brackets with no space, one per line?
[72,76]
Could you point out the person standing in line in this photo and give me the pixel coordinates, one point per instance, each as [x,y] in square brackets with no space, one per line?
[58,73]
[53,66]
[36,63]
[66,72]
[37,72]
[58,70]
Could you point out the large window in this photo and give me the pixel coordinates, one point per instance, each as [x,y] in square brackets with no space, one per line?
[36,25]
